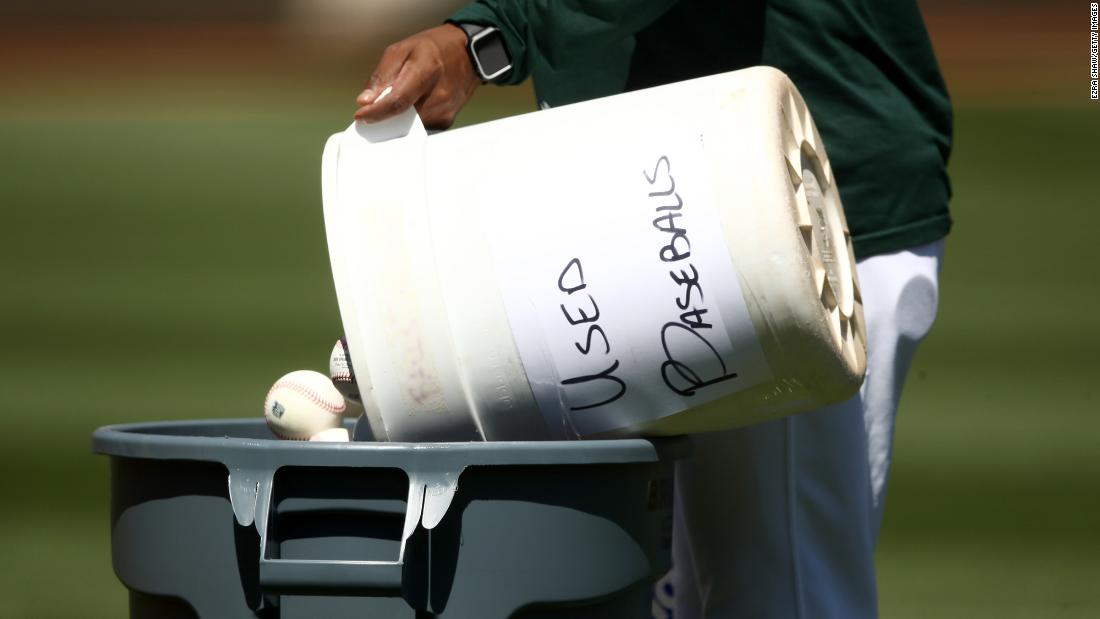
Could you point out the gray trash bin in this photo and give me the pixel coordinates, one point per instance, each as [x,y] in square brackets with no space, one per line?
[216,519]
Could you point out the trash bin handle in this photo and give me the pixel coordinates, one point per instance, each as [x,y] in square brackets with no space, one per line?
[328,577]
[318,577]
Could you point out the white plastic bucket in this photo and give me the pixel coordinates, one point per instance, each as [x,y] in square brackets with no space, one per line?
[664,261]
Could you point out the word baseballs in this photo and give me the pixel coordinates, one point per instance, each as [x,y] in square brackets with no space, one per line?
[302,404]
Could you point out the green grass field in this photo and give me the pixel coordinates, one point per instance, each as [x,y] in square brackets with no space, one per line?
[169,262]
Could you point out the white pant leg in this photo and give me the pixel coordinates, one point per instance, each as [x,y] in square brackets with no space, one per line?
[902,309]
[781,519]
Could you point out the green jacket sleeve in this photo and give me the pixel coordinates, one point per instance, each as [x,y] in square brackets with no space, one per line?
[556,38]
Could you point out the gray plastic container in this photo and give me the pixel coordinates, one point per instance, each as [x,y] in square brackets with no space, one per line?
[216,519]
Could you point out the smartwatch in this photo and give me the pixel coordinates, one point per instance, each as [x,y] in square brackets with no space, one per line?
[485,44]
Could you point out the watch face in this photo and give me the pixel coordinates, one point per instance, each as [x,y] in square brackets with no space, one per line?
[491,55]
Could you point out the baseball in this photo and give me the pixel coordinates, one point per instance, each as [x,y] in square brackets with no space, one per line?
[342,372]
[302,404]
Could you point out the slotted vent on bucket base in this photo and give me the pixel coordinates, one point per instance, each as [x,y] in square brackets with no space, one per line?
[825,233]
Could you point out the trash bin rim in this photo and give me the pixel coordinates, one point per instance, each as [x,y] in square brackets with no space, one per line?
[170,440]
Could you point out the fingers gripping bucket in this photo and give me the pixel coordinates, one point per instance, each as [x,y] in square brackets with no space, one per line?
[665,261]
[217,519]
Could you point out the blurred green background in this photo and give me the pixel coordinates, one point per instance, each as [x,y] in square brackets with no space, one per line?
[162,256]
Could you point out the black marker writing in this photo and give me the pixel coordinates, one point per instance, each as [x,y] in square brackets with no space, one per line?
[602,387]
[691,361]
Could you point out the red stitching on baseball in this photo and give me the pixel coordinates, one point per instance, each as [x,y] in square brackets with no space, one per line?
[309,393]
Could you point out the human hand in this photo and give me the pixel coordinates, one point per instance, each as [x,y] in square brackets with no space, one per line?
[430,70]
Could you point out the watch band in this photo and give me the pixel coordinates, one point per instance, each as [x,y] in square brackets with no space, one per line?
[469,29]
